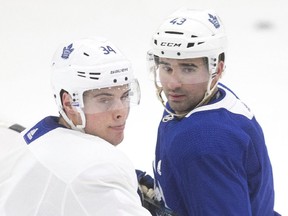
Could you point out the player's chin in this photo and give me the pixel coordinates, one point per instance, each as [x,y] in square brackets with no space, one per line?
[178,106]
[117,139]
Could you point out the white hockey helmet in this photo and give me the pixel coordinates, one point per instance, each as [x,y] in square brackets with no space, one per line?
[87,64]
[189,33]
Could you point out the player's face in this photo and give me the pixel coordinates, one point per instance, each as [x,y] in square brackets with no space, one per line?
[184,82]
[106,111]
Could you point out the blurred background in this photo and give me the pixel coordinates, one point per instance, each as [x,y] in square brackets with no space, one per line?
[31,30]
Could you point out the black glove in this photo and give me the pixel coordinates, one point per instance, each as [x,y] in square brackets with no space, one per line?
[146,190]
[147,194]
[144,179]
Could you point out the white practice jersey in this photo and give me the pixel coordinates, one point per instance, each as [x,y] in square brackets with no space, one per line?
[63,172]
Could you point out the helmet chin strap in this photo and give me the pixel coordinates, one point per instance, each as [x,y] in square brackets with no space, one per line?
[209,92]
[71,124]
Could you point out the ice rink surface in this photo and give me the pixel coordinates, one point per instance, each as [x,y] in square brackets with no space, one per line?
[31,30]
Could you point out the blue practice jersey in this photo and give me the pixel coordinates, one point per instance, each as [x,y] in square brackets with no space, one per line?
[214,161]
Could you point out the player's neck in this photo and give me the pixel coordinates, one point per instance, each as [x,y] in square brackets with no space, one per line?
[63,122]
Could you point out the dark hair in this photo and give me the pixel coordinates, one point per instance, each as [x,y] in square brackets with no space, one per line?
[222,57]
[156,59]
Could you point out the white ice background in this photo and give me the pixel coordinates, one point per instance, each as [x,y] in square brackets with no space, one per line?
[31,30]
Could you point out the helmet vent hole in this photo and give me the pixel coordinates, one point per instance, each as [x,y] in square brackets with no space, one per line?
[190,45]
[178,53]
[90,75]
[155,42]
[81,74]
[115,80]
[126,78]
[86,54]
[162,52]
[94,75]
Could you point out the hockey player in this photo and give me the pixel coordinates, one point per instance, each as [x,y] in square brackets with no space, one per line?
[210,158]
[70,165]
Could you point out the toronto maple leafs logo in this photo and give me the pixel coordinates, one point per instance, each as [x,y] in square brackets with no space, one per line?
[67,51]
[214,21]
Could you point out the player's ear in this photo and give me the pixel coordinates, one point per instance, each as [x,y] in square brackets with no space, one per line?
[66,103]
[220,68]
[221,65]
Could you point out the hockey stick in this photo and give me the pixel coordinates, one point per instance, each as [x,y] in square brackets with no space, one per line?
[156,207]
[16,127]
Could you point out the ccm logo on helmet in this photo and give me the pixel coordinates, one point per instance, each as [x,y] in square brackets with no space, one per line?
[167,44]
